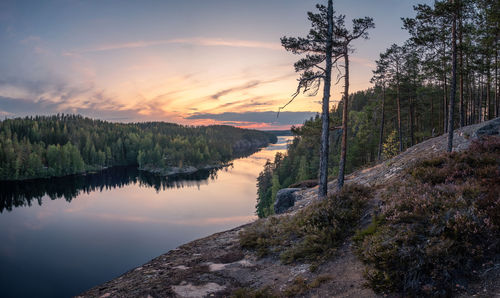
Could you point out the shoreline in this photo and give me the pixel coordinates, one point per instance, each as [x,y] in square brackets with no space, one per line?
[173,171]
[165,172]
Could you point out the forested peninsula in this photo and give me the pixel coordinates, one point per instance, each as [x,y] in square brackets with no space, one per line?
[59,145]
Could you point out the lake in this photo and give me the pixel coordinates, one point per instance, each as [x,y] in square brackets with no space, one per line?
[64,235]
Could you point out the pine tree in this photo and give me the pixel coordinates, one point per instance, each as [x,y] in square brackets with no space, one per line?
[343,46]
[316,68]
[276,186]
[303,173]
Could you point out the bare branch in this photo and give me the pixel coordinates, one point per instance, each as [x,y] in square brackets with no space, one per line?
[339,78]
[305,84]
[321,68]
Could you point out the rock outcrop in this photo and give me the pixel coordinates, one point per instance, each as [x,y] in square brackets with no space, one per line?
[285,199]
[492,128]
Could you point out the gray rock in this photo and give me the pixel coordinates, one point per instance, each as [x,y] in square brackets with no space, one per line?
[490,129]
[285,198]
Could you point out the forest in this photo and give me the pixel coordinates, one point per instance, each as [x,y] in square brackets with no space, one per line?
[59,145]
[452,52]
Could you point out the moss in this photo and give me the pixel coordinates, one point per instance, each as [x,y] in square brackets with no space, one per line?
[313,233]
[318,281]
[300,285]
[370,230]
[251,293]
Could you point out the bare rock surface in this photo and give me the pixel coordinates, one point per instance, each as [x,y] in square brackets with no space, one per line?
[216,265]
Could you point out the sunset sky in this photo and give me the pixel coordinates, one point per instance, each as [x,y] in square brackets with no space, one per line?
[184,61]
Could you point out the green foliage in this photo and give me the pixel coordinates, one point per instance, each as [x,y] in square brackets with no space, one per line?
[313,233]
[274,188]
[437,225]
[390,148]
[303,172]
[45,146]
[264,200]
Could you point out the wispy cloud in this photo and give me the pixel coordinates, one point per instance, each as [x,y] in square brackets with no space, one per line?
[270,117]
[248,85]
[251,103]
[196,41]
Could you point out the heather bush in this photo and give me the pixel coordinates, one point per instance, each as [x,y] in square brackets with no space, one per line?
[313,233]
[438,224]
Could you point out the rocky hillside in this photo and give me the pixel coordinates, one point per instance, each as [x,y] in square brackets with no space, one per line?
[325,249]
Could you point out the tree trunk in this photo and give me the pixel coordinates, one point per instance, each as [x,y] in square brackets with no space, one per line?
[343,149]
[445,101]
[453,90]
[412,112]
[487,112]
[432,114]
[381,137]
[475,91]
[412,141]
[497,103]
[467,108]
[461,71]
[480,99]
[400,132]
[325,115]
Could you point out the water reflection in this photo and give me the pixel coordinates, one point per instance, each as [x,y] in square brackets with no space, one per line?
[92,228]
[24,193]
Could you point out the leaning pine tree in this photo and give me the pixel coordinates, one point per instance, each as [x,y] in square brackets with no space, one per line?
[315,67]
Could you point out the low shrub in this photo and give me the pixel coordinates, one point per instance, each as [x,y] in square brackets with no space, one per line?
[438,224]
[251,293]
[300,286]
[313,233]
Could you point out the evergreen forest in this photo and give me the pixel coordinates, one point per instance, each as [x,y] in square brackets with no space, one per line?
[59,145]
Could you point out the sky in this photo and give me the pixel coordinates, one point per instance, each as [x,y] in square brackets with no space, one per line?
[196,62]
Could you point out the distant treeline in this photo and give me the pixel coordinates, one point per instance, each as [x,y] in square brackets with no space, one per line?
[47,146]
[281,133]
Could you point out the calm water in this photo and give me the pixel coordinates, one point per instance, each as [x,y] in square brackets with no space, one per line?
[63,236]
